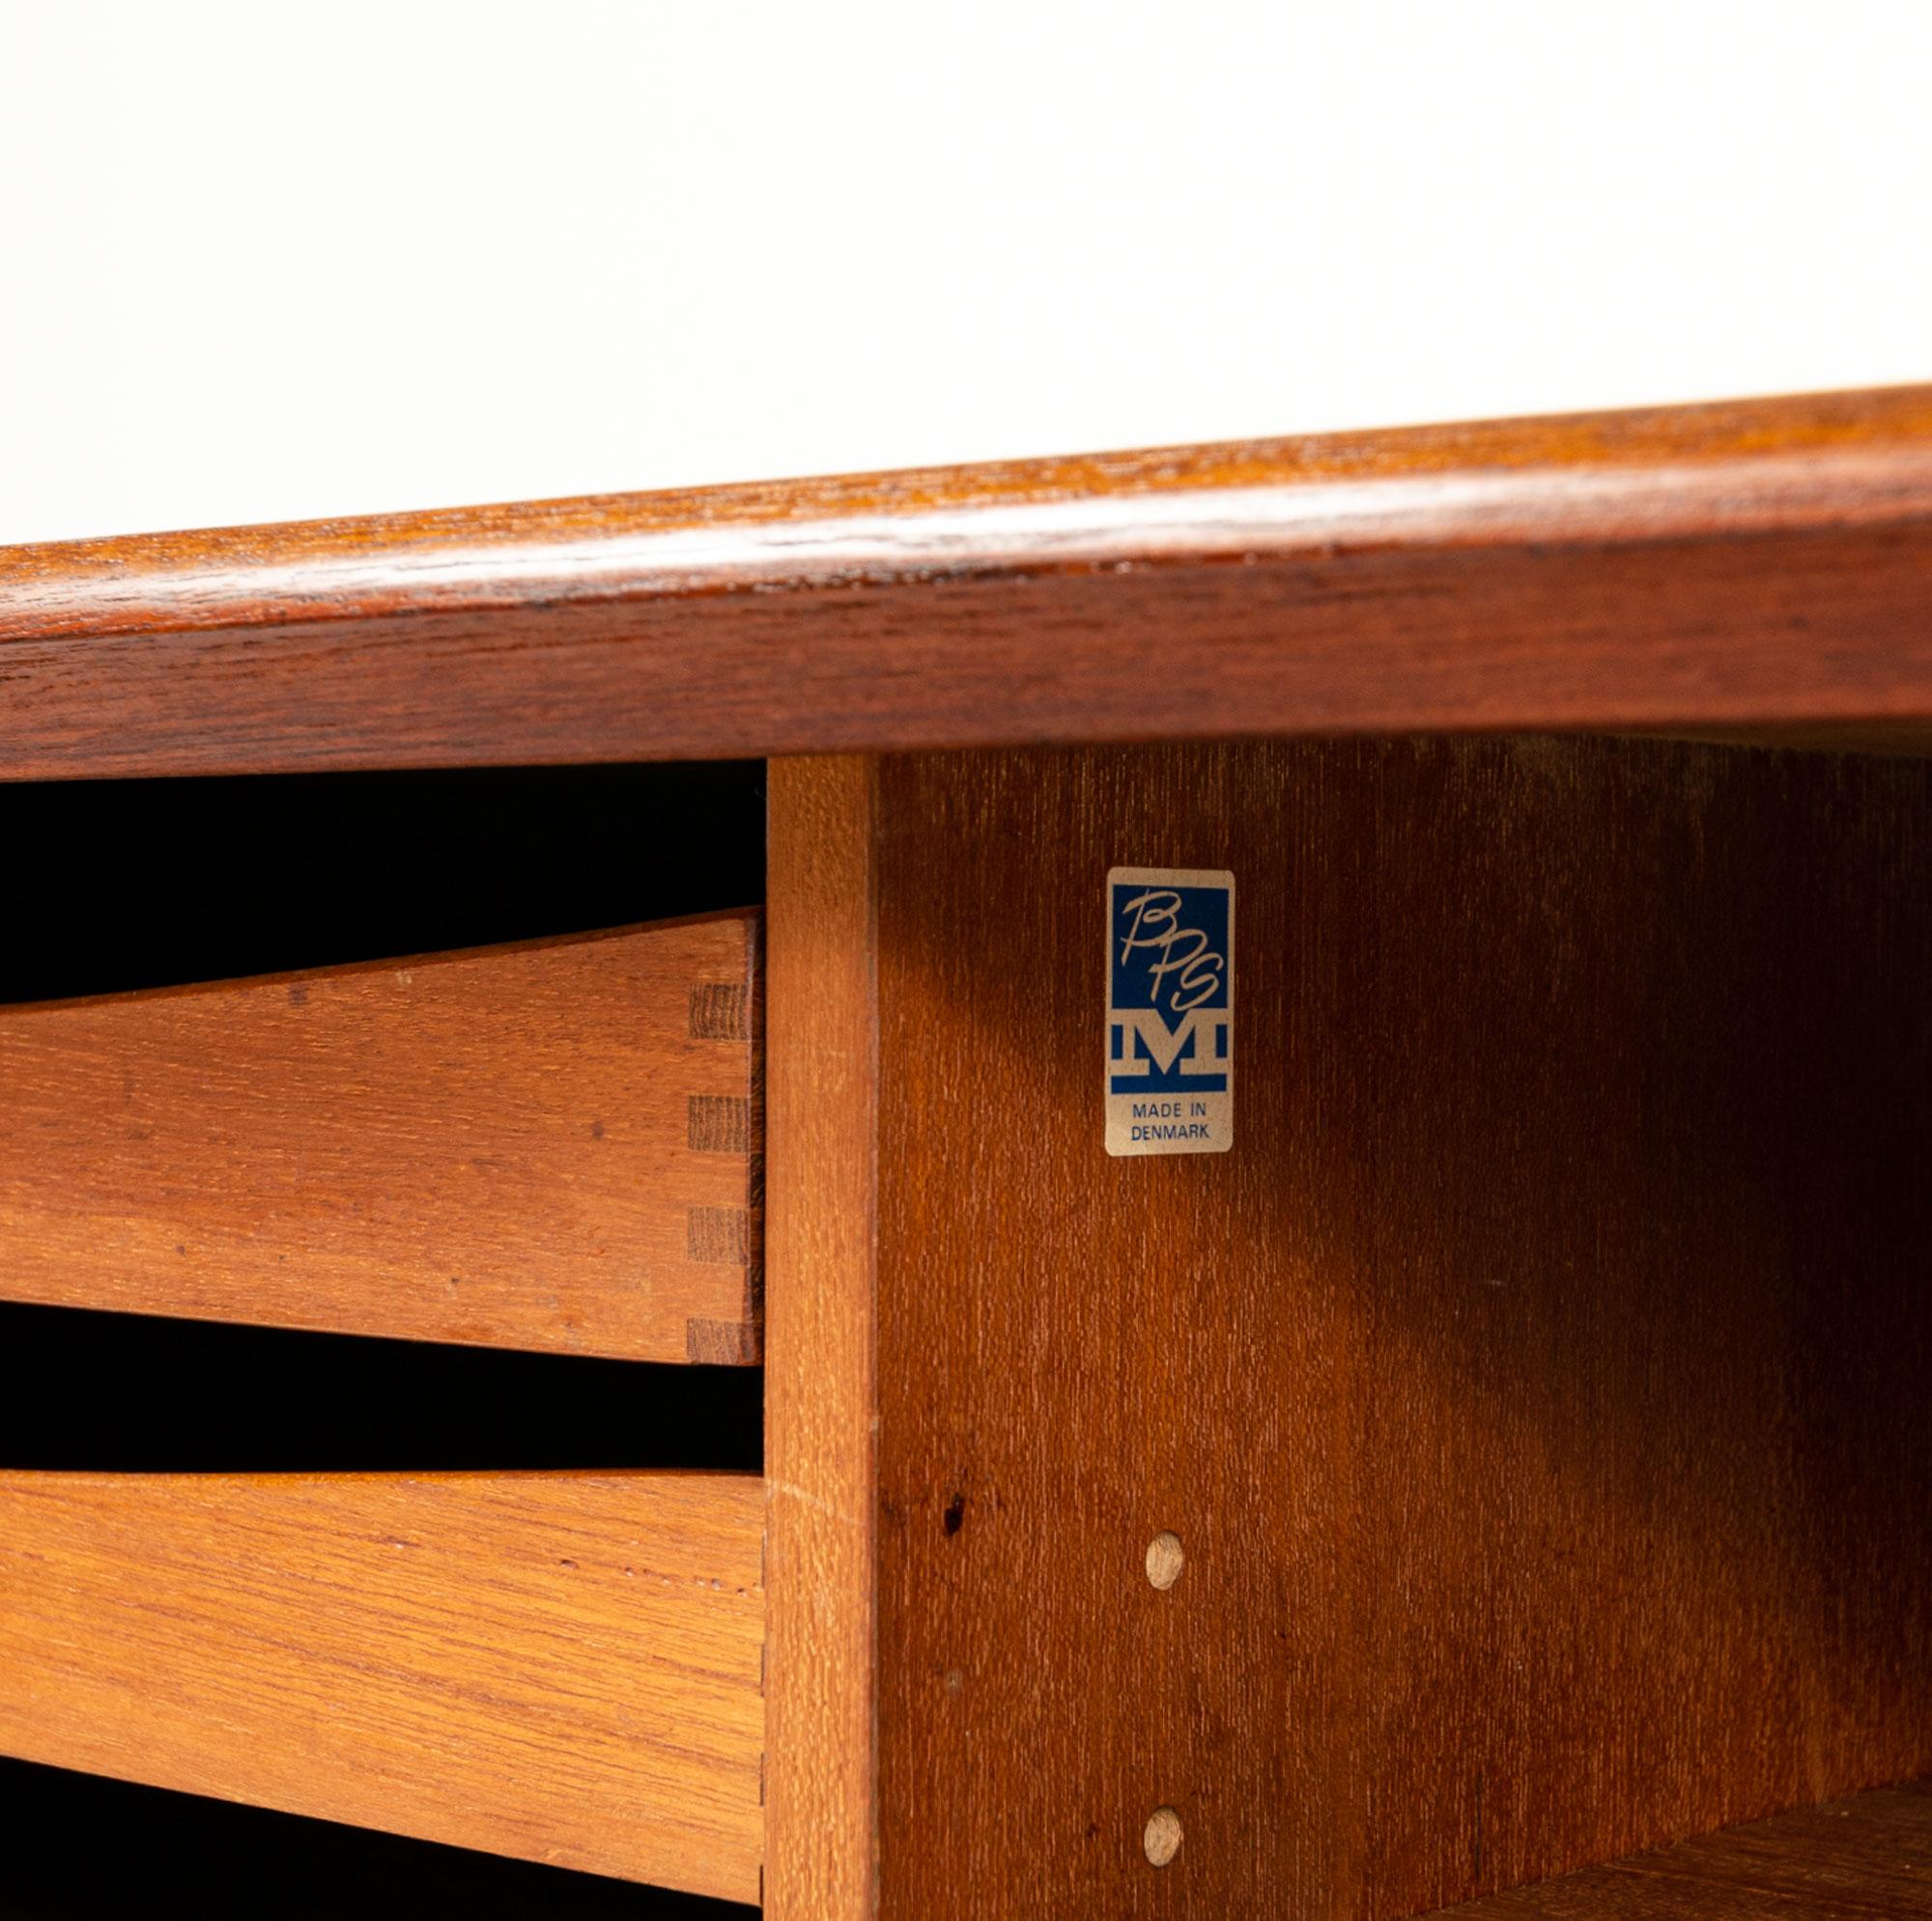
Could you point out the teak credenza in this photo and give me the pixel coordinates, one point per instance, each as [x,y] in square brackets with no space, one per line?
[564,1291]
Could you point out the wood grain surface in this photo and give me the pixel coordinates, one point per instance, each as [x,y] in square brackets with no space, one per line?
[821,1811]
[562,1668]
[186,1855]
[1868,1858]
[1536,1390]
[1743,564]
[541,1145]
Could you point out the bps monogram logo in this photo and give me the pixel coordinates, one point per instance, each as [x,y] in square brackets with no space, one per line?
[1169,1011]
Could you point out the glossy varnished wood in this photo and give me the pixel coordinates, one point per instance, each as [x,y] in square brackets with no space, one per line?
[539,1145]
[1746,564]
[1536,1390]
[562,1668]
[1869,1857]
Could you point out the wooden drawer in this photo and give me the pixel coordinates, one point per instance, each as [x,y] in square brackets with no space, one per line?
[564,1667]
[547,1145]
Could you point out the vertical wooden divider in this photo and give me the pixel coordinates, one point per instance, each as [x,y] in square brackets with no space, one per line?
[821,1165]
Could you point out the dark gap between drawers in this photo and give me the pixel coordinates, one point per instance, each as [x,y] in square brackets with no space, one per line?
[114,886]
[81,1389]
[81,1848]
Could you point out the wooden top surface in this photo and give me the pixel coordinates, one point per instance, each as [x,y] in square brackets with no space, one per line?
[1828,459]
[1753,563]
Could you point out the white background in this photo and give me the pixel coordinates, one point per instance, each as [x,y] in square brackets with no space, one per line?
[271,261]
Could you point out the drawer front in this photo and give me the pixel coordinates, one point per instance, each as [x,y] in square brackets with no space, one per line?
[560,1667]
[545,1145]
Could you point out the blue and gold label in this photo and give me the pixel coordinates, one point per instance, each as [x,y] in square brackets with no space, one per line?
[1169,1011]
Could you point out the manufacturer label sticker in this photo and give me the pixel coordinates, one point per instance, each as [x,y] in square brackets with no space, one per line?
[1169,1011]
